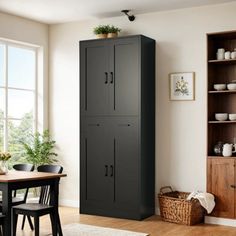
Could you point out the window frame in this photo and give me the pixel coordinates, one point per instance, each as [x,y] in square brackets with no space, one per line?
[6,88]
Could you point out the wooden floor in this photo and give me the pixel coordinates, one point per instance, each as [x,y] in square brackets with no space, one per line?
[153,225]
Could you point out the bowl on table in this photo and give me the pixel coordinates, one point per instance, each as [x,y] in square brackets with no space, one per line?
[221,116]
[219,87]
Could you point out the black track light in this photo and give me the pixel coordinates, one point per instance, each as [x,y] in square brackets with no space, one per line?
[130,17]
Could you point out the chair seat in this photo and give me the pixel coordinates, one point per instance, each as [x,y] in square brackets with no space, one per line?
[32,207]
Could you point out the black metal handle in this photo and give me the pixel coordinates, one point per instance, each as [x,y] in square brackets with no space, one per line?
[93,124]
[106,77]
[111,77]
[232,186]
[106,170]
[112,172]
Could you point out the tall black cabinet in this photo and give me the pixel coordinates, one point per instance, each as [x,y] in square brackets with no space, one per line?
[117,122]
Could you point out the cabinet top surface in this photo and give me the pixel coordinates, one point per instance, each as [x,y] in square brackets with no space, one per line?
[117,38]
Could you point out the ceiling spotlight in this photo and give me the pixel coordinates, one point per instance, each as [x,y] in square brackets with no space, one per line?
[130,17]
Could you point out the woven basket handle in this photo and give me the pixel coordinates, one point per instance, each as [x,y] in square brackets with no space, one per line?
[165,188]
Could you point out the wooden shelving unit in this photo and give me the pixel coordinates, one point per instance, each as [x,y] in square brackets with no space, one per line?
[221,171]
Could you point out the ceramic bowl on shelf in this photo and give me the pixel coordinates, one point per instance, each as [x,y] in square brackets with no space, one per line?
[221,116]
[231,86]
[219,86]
[232,116]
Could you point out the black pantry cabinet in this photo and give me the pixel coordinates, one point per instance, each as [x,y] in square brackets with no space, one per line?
[117,122]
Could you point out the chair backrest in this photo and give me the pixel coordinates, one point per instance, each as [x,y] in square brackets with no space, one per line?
[23,167]
[50,168]
[45,190]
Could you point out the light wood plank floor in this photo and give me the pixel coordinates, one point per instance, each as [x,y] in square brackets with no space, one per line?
[153,225]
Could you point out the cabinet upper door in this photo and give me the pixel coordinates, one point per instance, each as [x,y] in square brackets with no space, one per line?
[94,78]
[220,182]
[124,76]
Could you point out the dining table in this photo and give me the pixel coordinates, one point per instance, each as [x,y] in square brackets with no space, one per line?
[15,180]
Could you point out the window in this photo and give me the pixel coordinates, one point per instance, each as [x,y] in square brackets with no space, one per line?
[18,97]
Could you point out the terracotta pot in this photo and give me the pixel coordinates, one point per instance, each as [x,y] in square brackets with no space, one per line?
[112,35]
[101,36]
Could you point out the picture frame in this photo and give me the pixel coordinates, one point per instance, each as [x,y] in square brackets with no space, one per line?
[182,86]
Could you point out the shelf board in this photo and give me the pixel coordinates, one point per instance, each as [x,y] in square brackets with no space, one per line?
[222,91]
[221,157]
[230,61]
[222,122]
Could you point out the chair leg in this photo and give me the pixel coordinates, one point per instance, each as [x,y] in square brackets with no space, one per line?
[1,233]
[36,225]
[14,222]
[30,223]
[53,223]
[59,225]
[23,222]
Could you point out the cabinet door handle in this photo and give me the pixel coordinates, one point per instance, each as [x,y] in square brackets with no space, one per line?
[232,186]
[112,80]
[93,124]
[112,170]
[106,77]
[106,170]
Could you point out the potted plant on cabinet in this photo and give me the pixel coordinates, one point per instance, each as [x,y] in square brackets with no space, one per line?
[113,31]
[101,31]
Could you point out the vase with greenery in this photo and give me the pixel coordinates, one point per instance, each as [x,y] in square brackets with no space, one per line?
[101,31]
[4,157]
[113,31]
[39,151]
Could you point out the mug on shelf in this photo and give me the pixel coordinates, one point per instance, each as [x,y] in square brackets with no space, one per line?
[227,55]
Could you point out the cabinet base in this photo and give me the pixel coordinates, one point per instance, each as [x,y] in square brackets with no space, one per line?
[132,215]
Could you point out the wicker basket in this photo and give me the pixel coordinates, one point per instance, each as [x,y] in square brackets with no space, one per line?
[176,209]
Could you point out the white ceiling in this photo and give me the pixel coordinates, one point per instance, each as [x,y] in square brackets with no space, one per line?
[60,11]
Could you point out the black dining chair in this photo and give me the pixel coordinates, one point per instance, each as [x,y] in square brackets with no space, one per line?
[17,201]
[20,200]
[43,207]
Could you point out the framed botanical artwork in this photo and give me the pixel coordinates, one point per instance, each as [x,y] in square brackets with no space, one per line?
[182,86]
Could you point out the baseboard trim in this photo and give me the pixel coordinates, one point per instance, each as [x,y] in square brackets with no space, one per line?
[157,211]
[219,221]
[69,203]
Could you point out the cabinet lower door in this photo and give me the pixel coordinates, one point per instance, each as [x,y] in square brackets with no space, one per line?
[126,161]
[221,182]
[97,186]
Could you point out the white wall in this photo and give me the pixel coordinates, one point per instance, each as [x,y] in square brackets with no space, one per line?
[181,126]
[31,32]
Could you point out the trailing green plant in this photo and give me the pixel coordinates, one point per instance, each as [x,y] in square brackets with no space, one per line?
[39,150]
[101,29]
[113,29]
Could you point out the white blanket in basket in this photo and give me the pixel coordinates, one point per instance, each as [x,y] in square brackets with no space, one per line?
[207,200]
